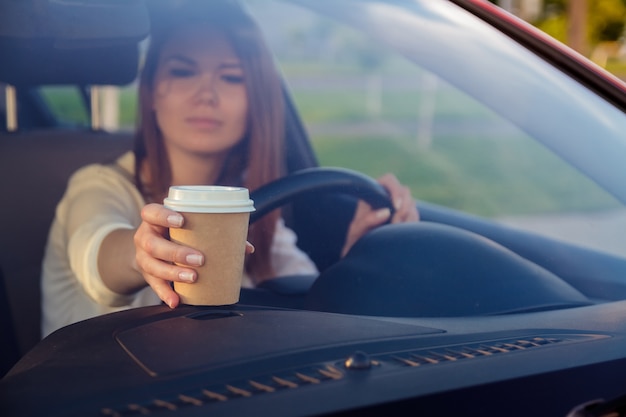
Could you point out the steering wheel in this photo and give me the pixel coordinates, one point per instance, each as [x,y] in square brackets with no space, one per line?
[415,269]
[318,180]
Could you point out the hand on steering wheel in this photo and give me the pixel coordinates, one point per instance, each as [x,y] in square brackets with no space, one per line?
[382,201]
[366,218]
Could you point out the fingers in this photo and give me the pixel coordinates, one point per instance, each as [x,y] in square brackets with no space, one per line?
[157,215]
[249,248]
[403,202]
[163,290]
[365,219]
[159,260]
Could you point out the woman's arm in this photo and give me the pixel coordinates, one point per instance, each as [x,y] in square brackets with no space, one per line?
[114,247]
[116,262]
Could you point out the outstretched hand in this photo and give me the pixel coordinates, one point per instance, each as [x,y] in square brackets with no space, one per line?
[365,218]
[161,261]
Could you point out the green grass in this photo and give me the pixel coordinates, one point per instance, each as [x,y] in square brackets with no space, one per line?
[341,106]
[481,176]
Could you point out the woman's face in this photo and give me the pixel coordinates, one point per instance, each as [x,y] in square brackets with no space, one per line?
[199,95]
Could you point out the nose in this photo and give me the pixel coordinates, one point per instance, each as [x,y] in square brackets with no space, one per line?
[206,90]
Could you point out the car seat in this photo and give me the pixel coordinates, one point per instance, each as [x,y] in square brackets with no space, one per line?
[36,163]
[9,349]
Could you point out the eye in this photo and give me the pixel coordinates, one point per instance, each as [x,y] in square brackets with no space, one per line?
[181,72]
[233,78]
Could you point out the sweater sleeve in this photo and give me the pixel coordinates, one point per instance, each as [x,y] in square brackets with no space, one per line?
[98,201]
[287,258]
[83,250]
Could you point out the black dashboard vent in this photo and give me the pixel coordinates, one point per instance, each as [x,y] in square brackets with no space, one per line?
[224,392]
[336,370]
[476,350]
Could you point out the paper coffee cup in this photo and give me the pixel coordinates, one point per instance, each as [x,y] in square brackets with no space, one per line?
[216,224]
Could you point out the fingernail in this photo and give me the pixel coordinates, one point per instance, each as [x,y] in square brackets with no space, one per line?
[251,246]
[186,276]
[175,220]
[194,259]
[397,204]
[383,213]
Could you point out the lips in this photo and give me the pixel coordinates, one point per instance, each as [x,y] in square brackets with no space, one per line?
[203,123]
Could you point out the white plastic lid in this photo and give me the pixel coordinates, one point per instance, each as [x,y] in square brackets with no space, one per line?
[209,199]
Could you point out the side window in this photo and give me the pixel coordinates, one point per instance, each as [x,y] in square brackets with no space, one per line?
[127,115]
[117,106]
[66,104]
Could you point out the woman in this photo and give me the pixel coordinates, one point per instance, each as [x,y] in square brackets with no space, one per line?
[211,112]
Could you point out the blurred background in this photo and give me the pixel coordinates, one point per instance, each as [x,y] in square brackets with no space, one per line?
[371,110]
[594,28]
[368,109]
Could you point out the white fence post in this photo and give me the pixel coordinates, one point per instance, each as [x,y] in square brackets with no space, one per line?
[426,110]
[110,108]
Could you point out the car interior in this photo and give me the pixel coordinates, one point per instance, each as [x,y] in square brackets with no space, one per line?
[37,156]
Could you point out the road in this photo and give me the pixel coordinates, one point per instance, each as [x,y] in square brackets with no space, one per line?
[601,230]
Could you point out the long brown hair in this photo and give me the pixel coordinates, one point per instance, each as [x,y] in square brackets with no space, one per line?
[259,156]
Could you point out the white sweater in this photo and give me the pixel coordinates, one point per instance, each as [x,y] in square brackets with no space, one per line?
[98,200]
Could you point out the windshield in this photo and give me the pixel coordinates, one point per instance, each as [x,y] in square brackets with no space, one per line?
[462,114]
[466,117]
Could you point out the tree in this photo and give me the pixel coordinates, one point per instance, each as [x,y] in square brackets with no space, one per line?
[582,24]
[577,25]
